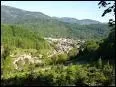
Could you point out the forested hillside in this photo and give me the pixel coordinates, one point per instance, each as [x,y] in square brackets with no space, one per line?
[25,61]
[54,27]
[19,37]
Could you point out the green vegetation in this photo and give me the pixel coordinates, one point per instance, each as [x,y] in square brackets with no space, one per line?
[60,58]
[91,31]
[15,36]
[50,27]
[25,53]
[63,76]
[53,71]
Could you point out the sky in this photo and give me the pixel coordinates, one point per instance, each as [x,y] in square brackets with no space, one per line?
[74,9]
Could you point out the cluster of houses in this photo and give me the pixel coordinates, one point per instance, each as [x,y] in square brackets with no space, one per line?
[24,59]
[64,45]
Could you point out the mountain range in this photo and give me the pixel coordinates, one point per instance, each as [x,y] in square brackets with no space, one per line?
[53,26]
[10,13]
[74,20]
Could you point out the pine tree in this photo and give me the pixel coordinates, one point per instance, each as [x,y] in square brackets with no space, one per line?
[100,63]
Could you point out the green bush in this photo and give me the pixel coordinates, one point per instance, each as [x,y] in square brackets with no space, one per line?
[60,58]
[92,46]
[73,52]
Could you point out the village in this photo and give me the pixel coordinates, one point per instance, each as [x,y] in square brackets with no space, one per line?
[64,45]
[61,45]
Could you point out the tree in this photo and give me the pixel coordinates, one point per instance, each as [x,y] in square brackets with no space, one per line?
[91,46]
[60,58]
[100,63]
[107,48]
[108,10]
[6,51]
[73,52]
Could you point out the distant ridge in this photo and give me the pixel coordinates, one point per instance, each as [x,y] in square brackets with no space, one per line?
[9,14]
[47,26]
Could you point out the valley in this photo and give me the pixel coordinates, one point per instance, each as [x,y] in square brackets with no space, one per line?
[60,46]
[41,50]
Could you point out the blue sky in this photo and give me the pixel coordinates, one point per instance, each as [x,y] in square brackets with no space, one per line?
[74,9]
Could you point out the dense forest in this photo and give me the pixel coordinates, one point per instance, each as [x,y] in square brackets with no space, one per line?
[26,55]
